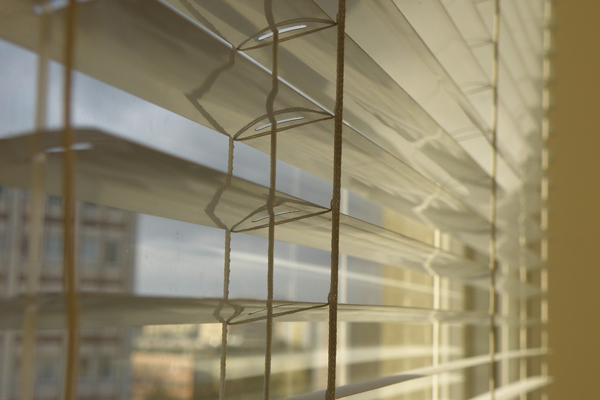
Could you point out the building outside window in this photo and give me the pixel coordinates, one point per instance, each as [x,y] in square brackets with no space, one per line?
[53,248]
[111,253]
[48,371]
[89,251]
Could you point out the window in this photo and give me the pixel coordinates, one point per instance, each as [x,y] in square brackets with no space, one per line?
[84,369]
[53,248]
[105,368]
[88,251]
[90,206]
[224,234]
[47,373]
[111,253]
[54,201]
[24,247]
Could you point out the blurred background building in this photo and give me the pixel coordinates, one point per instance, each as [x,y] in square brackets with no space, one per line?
[106,258]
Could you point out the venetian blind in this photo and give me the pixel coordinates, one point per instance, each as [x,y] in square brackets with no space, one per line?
[425,124]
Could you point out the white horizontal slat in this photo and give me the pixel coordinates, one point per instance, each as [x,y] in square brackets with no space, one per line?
[378,383]
[409,387]
[244,366]
[152,52]
[528,34]
[504,285]
[308,62]
[517,121]
[115,310]
[515,389]
[161,57]
[456,93]
[118,173]
[518,125]
[475,23]
[374,103]
[525,62]
[371,73]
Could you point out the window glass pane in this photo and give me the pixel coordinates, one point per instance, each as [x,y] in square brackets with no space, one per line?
[112,253]
[147,273]
[89,251]
[53,248]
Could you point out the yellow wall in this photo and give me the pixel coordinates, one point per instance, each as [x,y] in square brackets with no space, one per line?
[575,203]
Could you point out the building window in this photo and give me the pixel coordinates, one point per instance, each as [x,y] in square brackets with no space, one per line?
[54,201]
[88,251]
[24,247]
[53,248]
[90,206]
[111,253]
[105,368]
[84,369]
[47,371]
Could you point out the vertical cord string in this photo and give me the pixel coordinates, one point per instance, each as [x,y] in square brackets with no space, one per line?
[226,281]
[335,202]
[36,214]
[70,277]
[493,201]
[268,5]
[224,328]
